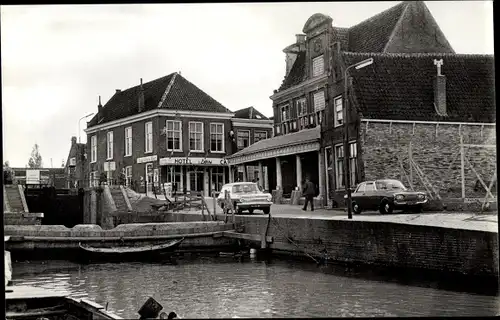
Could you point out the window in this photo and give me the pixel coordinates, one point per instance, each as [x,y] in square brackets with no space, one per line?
[243,139]
[353,164]
[277,130]
[128,141]
[319,106]
[339,156]
[318,66]
[217,178]
[329,168]
[94,182]
[110,145]
[361,188]
[369,186]
[217,137]
[93,149]
[339,166]
[149,137]
[128,176]
[174,176]
[338,115]
[196,136]
[301,107]
[174,134]
[259,135]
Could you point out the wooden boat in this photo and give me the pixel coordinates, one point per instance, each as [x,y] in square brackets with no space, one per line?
[122,253]
[28,303]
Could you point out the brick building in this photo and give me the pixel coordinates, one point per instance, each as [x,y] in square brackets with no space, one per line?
[76,168]
[398,90]
[165,130]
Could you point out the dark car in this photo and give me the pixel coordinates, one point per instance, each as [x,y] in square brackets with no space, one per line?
[386,196]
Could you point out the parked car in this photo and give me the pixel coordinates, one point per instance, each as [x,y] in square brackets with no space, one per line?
[246,196]
[386,195]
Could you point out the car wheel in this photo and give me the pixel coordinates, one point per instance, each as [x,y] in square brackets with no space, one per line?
[386,207]
[250,211]
[266,210]
[356,208]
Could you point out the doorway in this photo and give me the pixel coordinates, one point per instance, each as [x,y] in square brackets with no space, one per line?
[196,180]
[149,177]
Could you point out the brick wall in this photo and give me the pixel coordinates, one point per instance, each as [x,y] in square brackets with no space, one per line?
[437,152]
[469,252]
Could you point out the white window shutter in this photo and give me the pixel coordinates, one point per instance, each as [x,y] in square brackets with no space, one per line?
[319,101]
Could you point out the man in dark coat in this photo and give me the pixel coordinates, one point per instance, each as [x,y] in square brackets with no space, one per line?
[309,191]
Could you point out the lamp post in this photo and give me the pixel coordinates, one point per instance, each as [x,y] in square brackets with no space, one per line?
[89,115]
[347,173]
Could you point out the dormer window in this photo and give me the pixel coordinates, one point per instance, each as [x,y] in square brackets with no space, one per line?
[318,66]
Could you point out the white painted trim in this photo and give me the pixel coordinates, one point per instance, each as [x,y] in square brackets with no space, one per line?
[180,136]
[202,137]
[302,85]
[223,140]
[159,112]
[252,120]
[253,125]
[430,122]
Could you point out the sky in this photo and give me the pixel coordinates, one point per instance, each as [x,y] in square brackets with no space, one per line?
[57,59]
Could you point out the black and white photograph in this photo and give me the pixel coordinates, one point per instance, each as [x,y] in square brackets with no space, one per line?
[249,160]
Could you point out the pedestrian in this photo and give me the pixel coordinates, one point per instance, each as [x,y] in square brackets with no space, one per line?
[258,184]
[308,191]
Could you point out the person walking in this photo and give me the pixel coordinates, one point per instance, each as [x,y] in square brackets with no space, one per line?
[308,191]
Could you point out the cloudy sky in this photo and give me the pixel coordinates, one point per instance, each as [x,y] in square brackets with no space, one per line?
[57,60]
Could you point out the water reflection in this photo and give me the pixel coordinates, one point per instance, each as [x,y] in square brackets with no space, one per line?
[216,288]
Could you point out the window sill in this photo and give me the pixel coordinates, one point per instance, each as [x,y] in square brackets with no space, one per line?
[107,159]
[148,152]
[127,155]
[217,151]
[174,150]
[197,151]
[338,125]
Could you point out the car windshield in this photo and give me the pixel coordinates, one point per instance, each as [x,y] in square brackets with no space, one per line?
[246,188]
[389,185]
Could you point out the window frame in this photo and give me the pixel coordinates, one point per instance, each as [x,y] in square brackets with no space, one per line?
[196,132]
[336,112]
[258,132]
[314,60]
[93,149]
[148,137]
[238,139]
[352,160]
[173,135]
[109,145]
[223,147]
[128,141]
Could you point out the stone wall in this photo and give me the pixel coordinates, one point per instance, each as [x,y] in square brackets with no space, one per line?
[468,252]
[435,148]
[18,218]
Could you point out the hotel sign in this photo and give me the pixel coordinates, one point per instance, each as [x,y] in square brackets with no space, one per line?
[192,161]
[147,159]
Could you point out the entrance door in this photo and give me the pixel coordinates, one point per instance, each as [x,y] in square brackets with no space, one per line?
[196,180]
[149,177]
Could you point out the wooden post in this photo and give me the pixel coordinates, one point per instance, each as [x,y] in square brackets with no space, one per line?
[215,206]
[462,165]
[410,159]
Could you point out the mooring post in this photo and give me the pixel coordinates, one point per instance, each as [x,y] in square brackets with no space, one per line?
[215,207]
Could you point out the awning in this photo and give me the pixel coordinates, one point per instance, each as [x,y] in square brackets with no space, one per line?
[294,143]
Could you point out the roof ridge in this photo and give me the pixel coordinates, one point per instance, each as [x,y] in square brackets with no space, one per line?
[398,23]
[417,54]
[167,90]
[406,3]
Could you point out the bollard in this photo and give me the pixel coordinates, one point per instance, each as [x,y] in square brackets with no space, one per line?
[8,267]
[150,309]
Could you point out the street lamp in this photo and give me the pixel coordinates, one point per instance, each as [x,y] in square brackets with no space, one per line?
[347,175]
[89,115]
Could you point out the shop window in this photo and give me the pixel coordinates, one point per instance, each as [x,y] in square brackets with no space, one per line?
[128,176]
[217,178]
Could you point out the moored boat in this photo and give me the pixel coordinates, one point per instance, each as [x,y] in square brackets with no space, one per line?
[123,253]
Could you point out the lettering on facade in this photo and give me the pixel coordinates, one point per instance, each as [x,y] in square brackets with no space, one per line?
[186,161]
[147,159]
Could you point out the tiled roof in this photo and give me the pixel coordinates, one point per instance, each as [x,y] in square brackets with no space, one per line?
[373,34]
[297,73]
[182,95]
[303,136]
[401,86]
[249,113]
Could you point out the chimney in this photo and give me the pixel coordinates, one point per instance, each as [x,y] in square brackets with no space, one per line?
[141,98]
[118,90]
[440,90]
[251,112]
[73,141]
[301,41]
[99,110]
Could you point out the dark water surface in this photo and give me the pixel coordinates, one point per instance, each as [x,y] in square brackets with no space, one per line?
[223,288]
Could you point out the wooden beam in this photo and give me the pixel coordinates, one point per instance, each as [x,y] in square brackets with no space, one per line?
[246,236]
[488,192]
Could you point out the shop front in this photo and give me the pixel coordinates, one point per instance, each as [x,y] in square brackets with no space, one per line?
[198,174]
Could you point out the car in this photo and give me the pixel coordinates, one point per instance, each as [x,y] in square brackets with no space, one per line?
[246,196]
[386,195]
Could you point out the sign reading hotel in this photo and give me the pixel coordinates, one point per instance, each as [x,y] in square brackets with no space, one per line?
[147,159]
[189,161]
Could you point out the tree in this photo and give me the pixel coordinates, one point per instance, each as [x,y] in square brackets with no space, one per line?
[35,160]
[8,173]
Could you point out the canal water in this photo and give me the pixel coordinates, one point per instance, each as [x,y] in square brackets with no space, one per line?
[223,287]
